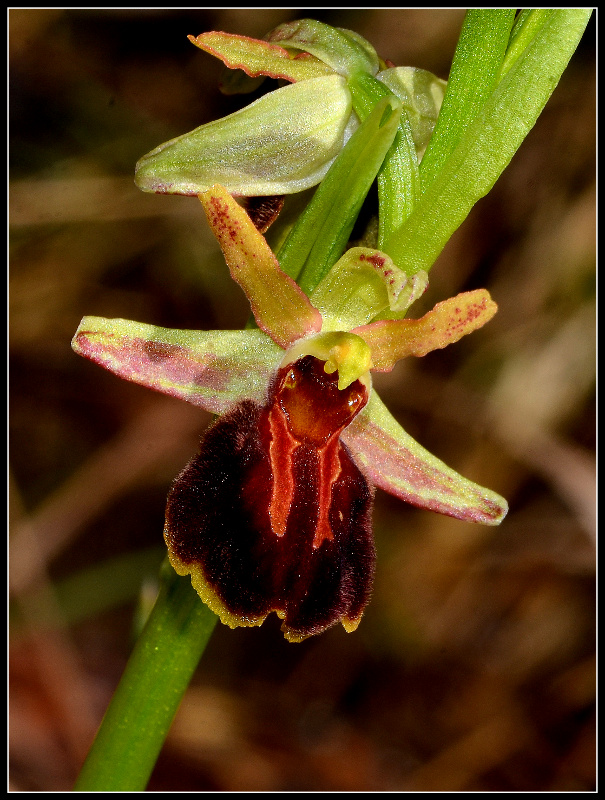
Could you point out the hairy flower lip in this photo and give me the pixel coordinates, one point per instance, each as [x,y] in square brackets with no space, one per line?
[273,514]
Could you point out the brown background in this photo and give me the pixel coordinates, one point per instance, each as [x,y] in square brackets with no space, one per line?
[473,668]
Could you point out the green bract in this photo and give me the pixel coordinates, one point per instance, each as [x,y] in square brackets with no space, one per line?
[499,83]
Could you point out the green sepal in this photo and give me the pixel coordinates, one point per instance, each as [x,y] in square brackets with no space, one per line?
[210,369]
[280,144]
[396,463]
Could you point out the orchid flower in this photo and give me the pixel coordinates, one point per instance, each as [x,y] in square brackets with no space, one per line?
[286,141]
[274,513]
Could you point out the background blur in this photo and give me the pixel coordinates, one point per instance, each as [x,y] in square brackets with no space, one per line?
[473,668]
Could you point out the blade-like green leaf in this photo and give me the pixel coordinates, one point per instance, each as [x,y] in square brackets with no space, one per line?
[473,76]
[487,146]
[398,178]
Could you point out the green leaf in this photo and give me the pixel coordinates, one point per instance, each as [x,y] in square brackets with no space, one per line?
[398,178]
[473,76]
[487,145]
[527,24]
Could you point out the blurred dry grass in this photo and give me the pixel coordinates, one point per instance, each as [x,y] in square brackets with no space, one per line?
[474,667]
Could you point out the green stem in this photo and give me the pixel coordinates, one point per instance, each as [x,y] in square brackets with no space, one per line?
[158,672]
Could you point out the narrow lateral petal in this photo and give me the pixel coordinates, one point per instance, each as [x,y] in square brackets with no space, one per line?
[257,57]
[280,307]
[210,369]
[393,461]
[449,321]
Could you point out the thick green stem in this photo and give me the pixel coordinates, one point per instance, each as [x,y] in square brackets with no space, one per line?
[158,672]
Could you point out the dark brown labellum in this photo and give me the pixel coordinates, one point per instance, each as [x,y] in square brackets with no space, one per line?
[273,514]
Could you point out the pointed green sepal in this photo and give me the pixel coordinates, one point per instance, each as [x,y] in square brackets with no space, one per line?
[396,463]
[280,144]
[281,309]
[446,323]
[210,369]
